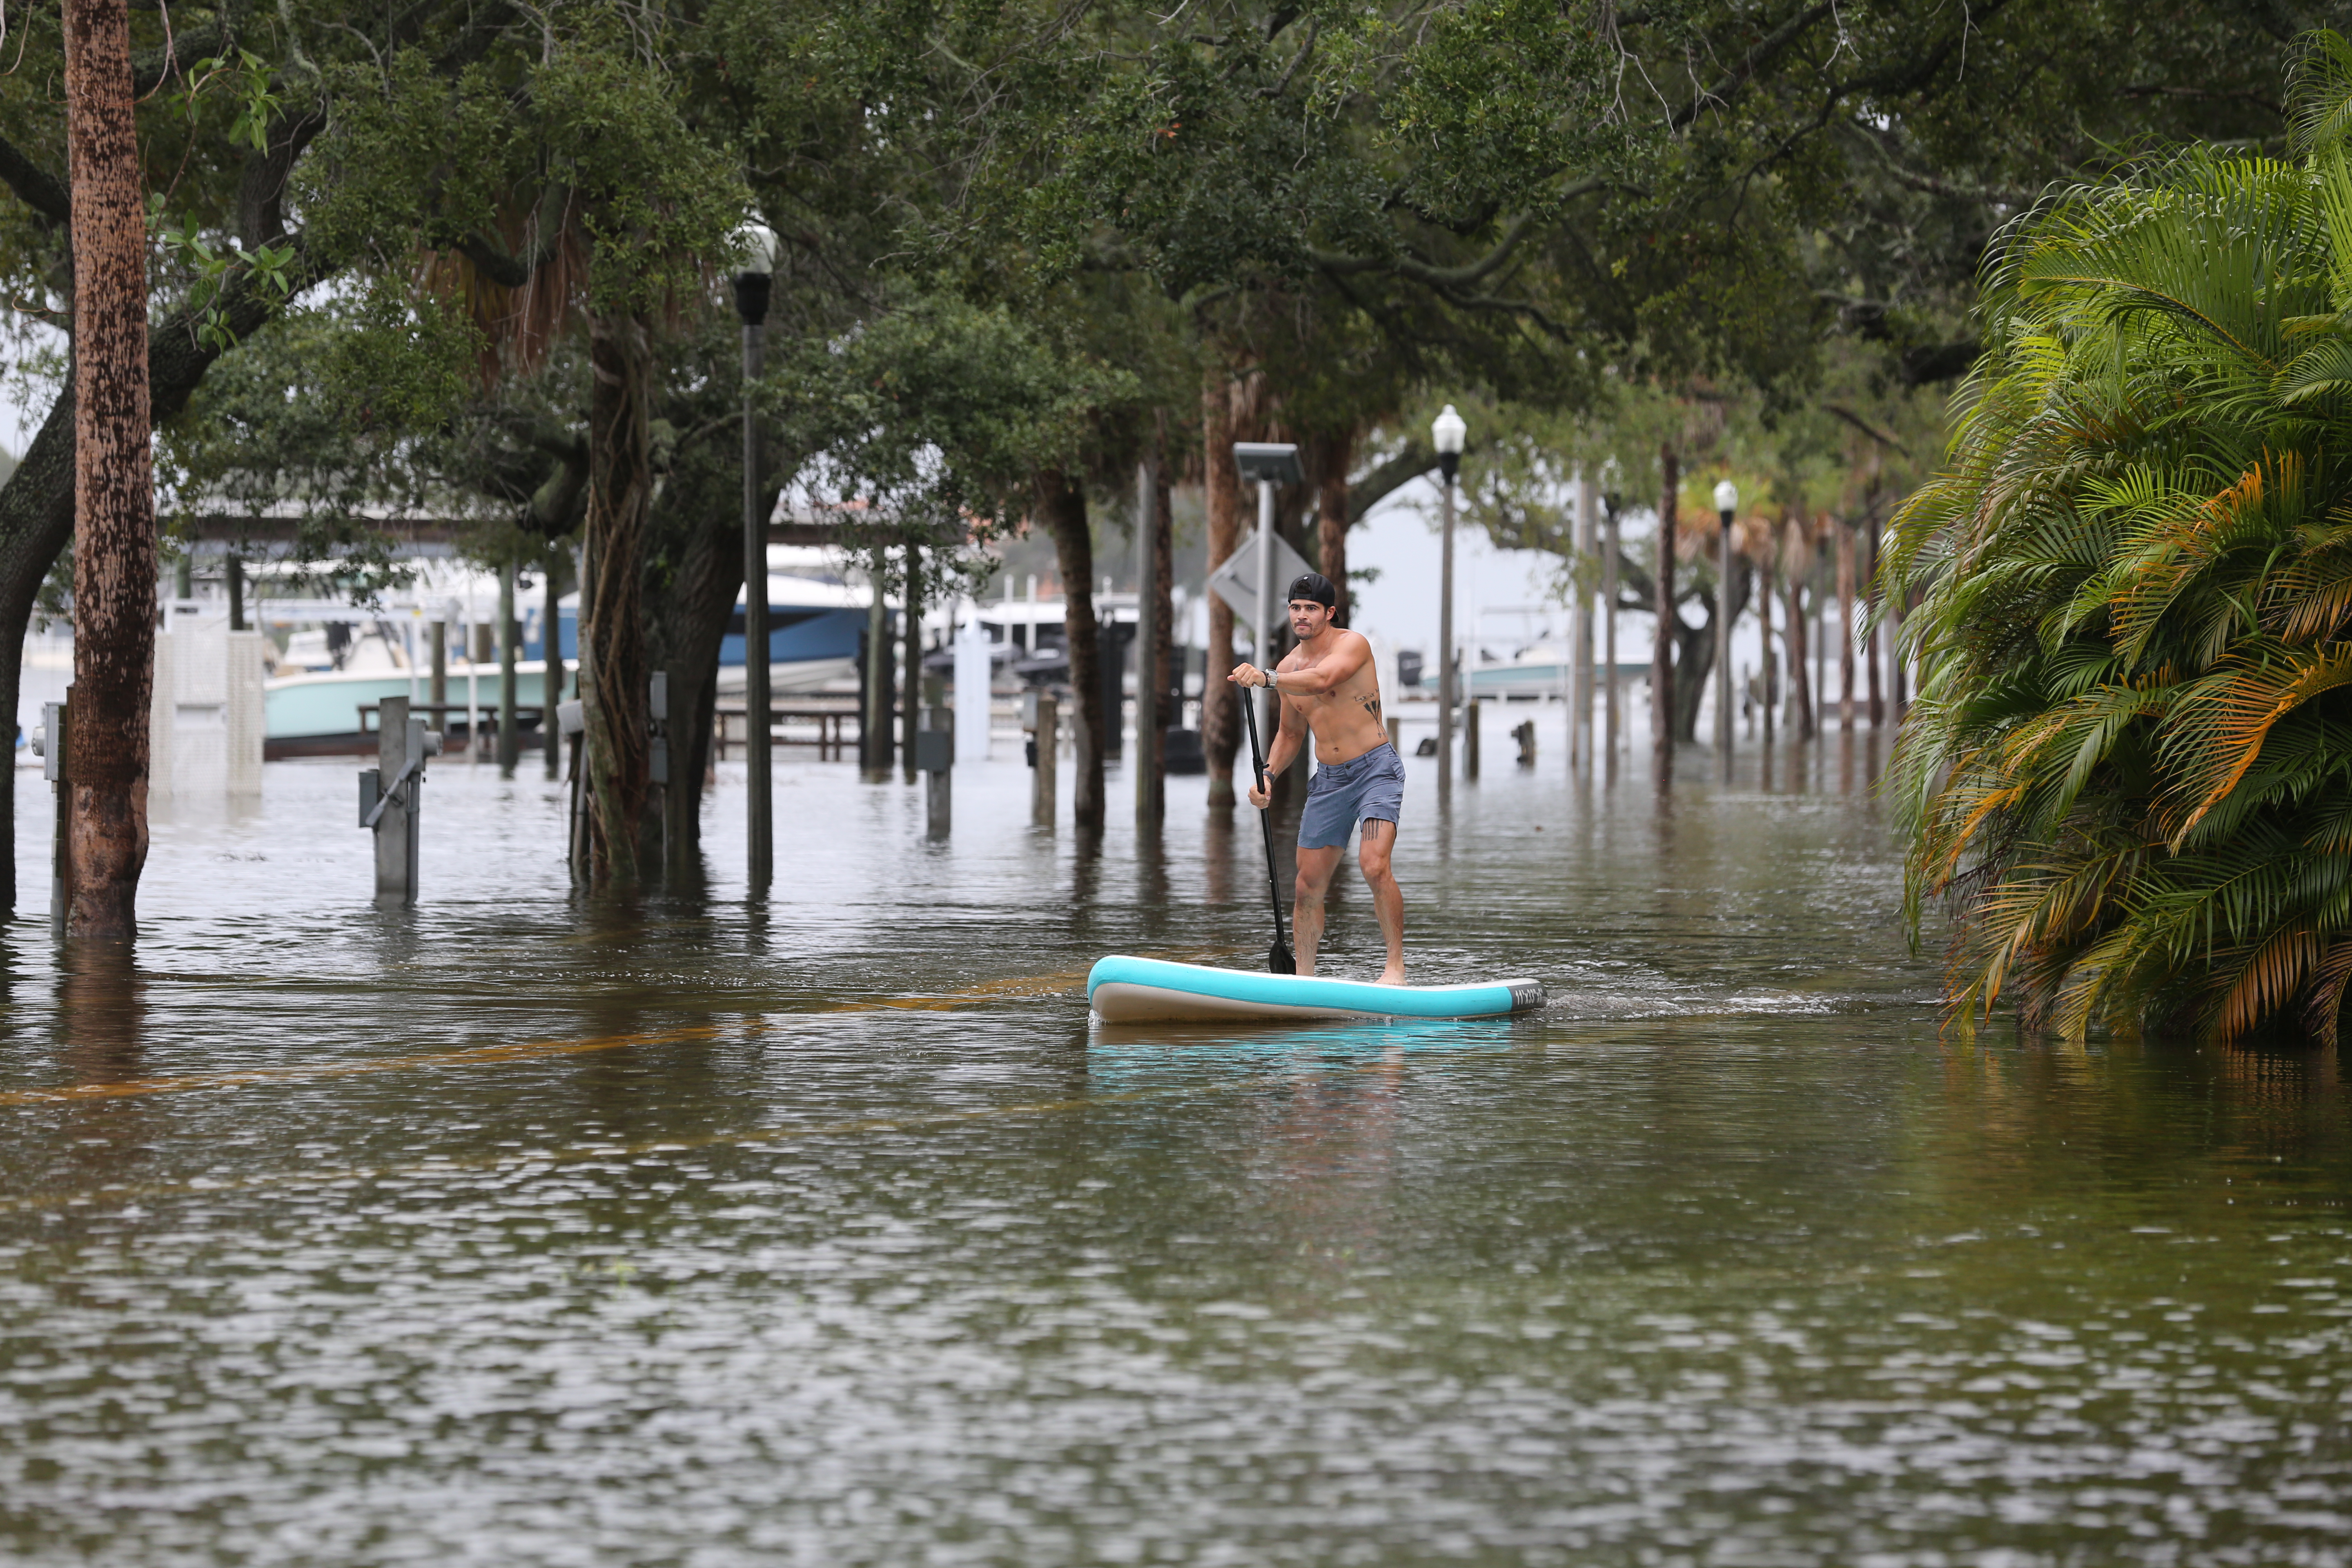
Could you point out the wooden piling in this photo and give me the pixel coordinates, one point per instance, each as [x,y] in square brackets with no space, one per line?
[509,752]
[1470,738]
[1041,780]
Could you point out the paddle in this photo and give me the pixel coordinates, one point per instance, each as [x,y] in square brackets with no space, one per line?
[1278,960]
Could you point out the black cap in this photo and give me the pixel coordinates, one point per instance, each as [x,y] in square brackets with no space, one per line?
[1316,587]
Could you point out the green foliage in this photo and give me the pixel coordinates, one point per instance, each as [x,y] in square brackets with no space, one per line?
[2129,766]
[931,421]
[578,135]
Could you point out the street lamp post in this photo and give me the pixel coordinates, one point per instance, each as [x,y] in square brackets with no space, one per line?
[752,287]
[1268,463]
[1446,432]
[1727,502]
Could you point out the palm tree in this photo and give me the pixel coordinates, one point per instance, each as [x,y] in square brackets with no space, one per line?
[2129,773]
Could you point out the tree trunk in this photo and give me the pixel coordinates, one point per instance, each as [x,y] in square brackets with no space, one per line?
[1662,646]
[1159,662]
[1063,506]
[1801,694]
[1844,541]
[911,648]
[1333,454]
[115,493]
[1221,720]
[691,588]
[1870,590]
[612,632]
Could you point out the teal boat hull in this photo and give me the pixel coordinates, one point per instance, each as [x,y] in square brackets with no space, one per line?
[1124,990]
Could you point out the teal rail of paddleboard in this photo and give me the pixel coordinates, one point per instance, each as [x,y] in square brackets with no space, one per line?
[1307,990]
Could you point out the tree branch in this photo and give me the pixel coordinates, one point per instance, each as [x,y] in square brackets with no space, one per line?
[1755,60]
[1339,266]
[1414,459]
[1866,428]
[34,186]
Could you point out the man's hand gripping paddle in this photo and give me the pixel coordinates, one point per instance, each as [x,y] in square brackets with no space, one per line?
[1278,959]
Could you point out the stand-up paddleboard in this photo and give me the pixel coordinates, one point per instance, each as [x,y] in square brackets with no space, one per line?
[1150,990]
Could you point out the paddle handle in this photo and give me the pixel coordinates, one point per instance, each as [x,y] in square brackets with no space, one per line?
[1265,825]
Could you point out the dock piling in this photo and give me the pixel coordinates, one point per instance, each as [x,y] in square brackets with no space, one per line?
[1044,736]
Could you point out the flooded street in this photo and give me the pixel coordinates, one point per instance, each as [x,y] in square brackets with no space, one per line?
[523,1228]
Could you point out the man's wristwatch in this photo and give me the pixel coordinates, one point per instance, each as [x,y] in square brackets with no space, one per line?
[1273,681]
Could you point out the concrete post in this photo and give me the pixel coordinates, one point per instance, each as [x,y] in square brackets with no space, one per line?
[56,724]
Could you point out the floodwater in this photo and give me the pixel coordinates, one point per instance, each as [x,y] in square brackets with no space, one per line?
[525,1229]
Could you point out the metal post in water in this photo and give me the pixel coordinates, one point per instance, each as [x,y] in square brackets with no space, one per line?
[935,758]
[1445,649]
[392,798]
[1470,738]
[752,303]
[438,691]
[509,752]
[1263,631]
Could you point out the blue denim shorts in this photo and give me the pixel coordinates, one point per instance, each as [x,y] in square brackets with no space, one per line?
[1366,788]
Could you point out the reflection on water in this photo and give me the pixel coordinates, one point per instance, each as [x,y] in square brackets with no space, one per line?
[530,1228]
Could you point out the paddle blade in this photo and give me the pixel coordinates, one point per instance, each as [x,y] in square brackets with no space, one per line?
[1278,960]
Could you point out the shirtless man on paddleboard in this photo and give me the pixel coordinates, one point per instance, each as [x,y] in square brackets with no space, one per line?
[1329,683]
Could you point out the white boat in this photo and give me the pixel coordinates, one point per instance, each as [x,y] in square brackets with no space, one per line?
[1533,673]
[323,682]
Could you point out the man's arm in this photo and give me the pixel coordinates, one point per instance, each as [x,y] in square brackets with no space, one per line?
[1352,653]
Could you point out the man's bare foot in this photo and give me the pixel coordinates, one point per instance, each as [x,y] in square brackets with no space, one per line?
[1393,975]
